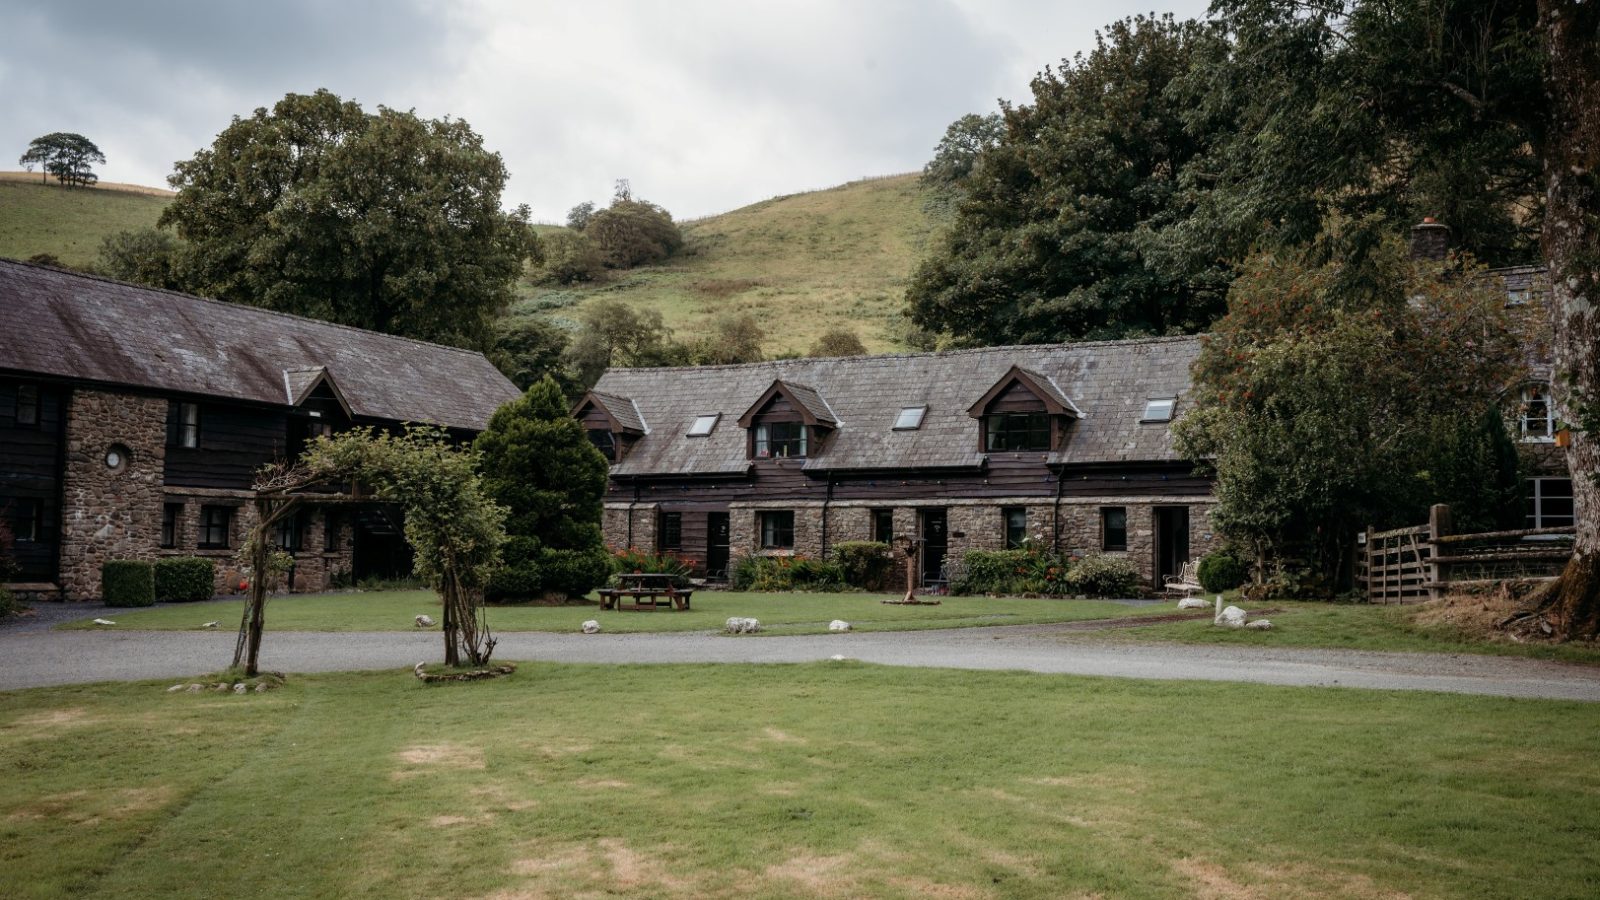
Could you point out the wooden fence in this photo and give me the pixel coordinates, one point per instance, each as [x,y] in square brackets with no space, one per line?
[1407,565]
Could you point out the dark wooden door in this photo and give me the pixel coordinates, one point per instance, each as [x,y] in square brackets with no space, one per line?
[935,542]
[1172,541]
[717,545]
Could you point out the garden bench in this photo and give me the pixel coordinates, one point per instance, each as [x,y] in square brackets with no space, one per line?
[1187,581]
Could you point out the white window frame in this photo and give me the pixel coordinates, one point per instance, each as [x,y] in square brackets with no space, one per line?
[1530,394]
[1536,496]
[915,423]
[709,422]
[1150,405]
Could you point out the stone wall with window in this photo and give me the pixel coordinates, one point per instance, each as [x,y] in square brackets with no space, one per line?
[115,460]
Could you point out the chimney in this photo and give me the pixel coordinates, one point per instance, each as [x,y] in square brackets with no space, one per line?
[1430,239]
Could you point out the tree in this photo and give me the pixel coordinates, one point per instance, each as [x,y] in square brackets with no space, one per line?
[66,155]
[382,220]
[838,341]
[731,339]
[147,256]
[569,258]
[528,349]
[611,333]
[539,464]
[957,154]
[631,233]
[1472,465]
[1318,406]
[578,217]
[1064,229]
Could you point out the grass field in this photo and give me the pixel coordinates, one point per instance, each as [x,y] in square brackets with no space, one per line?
[801,263]
[70,224]
[1347,626]
[779,613]
[773,781]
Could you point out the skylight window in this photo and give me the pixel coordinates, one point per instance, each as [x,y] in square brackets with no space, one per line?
[703,424]
[1159,409]
[910,418]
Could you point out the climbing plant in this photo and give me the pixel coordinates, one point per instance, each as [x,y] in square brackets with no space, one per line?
[454,529]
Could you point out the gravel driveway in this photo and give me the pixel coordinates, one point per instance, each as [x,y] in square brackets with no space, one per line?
[35,656]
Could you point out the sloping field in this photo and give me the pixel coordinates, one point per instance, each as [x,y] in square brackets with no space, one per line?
[47,218]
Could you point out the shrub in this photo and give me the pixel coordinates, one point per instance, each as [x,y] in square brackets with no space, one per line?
[8,603]
[128,582]
[865,564]
[184,579]
[635,560]
[1103,576]
[1221,571]
[1030,570]
[787,573]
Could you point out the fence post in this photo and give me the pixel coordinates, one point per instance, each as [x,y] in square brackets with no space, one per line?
[1366,561]
[1438,527]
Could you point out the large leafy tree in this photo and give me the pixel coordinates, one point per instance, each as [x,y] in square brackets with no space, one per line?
[66,155]
[538,463]
[379,220]
[612,333]
[1064,229]
[1320,405]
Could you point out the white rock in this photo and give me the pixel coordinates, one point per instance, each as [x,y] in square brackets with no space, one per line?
[739,625]
[240,688]
[838,625]
[424,621]
[1232,617]
[209,625]
[195,688]
[1260,625]
[1192,603]
[837,657]
[176,688]
[262,687]
[104,622]
[591,627]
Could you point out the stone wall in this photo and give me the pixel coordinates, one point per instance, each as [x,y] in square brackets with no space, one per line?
[314,568]
[110,513]
[614,526]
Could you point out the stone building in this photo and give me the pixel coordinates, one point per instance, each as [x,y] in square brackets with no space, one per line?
[132,422]
[1066,445]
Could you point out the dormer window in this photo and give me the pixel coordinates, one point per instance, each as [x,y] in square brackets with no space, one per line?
[780,440]
[1159,409]
[1025,411]
[1016,431]
[613,423]
[1537,420]
[703,425]
[603,441]
[910,418]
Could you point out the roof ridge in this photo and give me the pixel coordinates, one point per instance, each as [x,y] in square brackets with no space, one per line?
[924,354]
[91,276]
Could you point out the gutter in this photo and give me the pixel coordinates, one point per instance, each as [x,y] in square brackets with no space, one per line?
[826,500]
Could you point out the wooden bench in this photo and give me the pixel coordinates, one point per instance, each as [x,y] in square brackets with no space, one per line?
[1187,581]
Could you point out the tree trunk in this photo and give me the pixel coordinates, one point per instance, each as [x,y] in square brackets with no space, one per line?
[1571,240]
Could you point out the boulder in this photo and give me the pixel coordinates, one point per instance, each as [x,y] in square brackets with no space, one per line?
[740,625]
[1192,603]
[1232,617]
[424,621]
[591,627]
[176,688]
[240,688]
[837,657]
[1260,625]
[263,687]
[838,625]
[210,625]
[195,688]
[104,622]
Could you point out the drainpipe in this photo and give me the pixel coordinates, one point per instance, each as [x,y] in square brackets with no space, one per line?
[631,504]
[827,498]
[1055,540]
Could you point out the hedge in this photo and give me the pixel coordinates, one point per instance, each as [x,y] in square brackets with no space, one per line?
[786,573]
[1221,571]
[128,582]
[1104,576]
[866,564]
[184,579]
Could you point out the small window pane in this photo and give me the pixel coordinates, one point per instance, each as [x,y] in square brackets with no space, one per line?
[1538,415]
[214,522]
[602,441]
[1016,518]
[910,418]
[777,530]
[780,440]
[330,532]
[169,524]
[27,404]
[702,426]
[188,426]
[1114,528]
[670,536]
[883,526]
[1159,410]
[1017,431]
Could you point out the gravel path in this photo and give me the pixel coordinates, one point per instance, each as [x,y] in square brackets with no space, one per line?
[32,657]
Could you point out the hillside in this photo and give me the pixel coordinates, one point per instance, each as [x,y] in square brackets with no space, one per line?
[48,218]
[801,263]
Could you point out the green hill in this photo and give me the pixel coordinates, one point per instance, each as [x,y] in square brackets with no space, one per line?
[801,263]
[39,218]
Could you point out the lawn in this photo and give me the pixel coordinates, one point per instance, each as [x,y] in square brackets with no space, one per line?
[825,779]
[37,218]
[779,613]
[1345,626]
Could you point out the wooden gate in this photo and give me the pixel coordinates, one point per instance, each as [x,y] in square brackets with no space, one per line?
[1427,561]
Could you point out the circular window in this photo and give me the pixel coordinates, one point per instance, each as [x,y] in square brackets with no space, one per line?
[118,457]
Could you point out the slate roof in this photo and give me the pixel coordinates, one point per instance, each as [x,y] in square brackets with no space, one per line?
[1107,381]
[84,327]
[812,400]
[622,410]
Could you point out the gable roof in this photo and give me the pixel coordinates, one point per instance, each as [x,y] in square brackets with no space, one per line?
[1107,382]
[1036,383]
[69,325]
[812,408]
[621,410]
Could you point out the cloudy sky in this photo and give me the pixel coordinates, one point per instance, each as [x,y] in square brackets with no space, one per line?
[705,105]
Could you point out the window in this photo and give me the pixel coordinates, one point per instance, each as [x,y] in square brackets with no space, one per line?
[777,530]
[186,426]
[330,532]
[703,424]
[27,404]
[1537,420]
[1017,431]
[1550,502]
[171,514]
[1016,520]
[27,525]
[214,526]
[883,526]
[603,442]
[318,428]
[1114,528]
[1159,409]
[778,440]
[291,534]
[669,534]
[910,418]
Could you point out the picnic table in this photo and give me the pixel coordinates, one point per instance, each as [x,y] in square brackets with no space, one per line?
[646,590]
